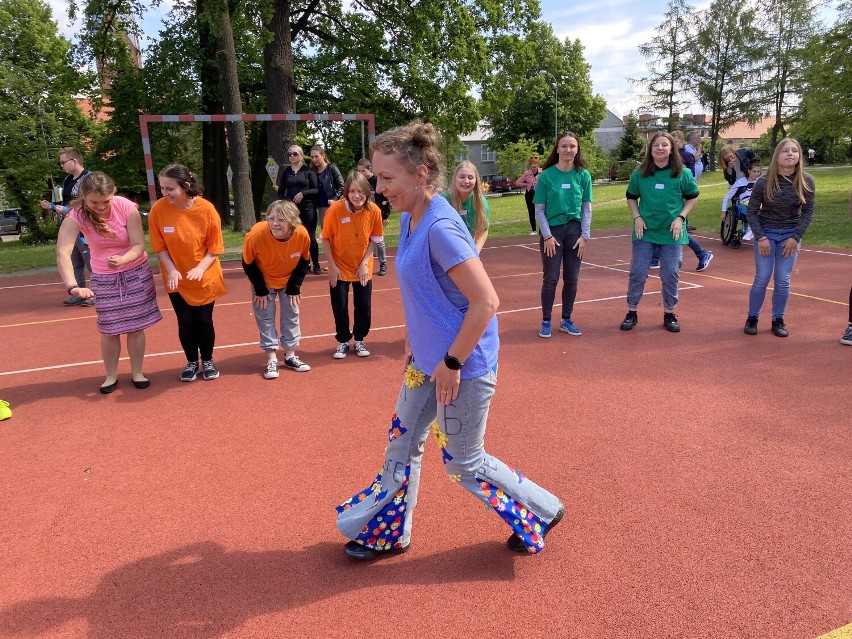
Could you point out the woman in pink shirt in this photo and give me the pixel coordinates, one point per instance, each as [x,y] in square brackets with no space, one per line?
[122,283]
[529,180]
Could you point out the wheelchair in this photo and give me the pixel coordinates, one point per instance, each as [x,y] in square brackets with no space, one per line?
[733,226]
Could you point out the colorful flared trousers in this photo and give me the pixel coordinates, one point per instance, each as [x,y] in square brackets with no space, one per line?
[380,516]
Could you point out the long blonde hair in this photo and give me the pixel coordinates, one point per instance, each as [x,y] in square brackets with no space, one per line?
[476,193]
[773,185]
[101,184]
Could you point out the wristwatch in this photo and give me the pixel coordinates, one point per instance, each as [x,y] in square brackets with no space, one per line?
[71,288]
[452,363]
[682,216]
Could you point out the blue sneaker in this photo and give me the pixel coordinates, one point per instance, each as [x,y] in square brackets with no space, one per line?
[704,260]
[544,331]
[655,264]
[567,326]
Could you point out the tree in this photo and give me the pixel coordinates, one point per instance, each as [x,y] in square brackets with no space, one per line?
[789,25]
[668,54]
[229,85]
[632,144]
[825,112]
[518,100]
[728,54]
[38,113]
[513,159]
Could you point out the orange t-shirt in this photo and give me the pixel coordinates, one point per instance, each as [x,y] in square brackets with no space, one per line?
[276,259]
[188,235]
[349,235]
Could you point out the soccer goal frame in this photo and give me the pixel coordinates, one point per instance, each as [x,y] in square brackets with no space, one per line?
[144,120]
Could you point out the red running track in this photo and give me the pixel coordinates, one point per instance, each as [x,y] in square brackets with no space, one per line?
[706,474]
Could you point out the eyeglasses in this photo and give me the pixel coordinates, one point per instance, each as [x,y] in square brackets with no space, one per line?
[293,153]
[279,220]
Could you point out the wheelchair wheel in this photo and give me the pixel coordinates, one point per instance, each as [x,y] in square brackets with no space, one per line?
[728,229]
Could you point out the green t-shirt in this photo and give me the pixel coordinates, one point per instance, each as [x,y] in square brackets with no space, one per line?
[563,193]
[469,215]
[661,199]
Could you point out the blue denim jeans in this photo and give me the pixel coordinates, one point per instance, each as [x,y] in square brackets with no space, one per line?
[565,257]
[380,516]
[289,332]
[693,244]
[671,258]
[774,265]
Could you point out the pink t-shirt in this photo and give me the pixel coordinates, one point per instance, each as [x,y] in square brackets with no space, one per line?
[101,247]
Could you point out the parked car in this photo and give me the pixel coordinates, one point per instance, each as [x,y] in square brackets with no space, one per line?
[12,222]
[500,184]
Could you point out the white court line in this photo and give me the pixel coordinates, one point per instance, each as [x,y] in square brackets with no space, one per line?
[253,344]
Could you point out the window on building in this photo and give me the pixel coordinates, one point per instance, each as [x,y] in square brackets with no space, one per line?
[461,156]
[488,154]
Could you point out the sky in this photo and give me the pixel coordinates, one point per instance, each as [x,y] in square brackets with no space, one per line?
[611,32]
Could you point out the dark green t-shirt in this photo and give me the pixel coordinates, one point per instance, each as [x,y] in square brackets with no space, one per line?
[563,193]
[661,199]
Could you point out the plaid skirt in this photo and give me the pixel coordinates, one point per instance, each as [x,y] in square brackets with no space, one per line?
[126,302]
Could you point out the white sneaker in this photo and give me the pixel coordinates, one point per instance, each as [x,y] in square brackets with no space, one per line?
[361,350]
[533,233]
[748,235]
[271,369]
[341,351]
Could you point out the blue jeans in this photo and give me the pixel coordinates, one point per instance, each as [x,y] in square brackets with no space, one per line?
[565,257]
[380,516]
[289,332]
[693,244]
[773,265]
[671,258]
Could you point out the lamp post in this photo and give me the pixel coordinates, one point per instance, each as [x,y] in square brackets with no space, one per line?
[555,88]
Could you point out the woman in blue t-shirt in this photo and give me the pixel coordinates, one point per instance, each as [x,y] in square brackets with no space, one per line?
[450,365]
[563,210]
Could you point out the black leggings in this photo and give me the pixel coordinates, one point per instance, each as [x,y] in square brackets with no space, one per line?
[361,301]
[308,215]
[528,198]
[195,328]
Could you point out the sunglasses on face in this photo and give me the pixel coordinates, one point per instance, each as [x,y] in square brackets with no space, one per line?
[293,153]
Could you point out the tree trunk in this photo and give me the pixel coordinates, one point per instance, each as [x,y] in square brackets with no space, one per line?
[214,151]
[229,84]
[260,183]
[280,82]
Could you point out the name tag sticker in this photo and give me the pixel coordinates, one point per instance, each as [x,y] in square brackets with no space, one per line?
[168,229]
[566,186]
[296,254]
[659,187]
[345,220]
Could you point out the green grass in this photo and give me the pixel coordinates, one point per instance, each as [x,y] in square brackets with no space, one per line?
[831,226]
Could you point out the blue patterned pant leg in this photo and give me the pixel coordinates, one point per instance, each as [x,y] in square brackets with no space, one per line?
[460,433]
[380,516]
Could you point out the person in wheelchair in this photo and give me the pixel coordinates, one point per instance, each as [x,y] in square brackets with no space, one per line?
[735,205]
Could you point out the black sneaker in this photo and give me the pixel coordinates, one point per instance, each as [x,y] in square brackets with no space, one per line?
[316,270]
[517,544]
[779,327]
[359,551]
[670,322]
[294,363]
[190,372]
[630,320]
[383,268]
[750,327]
[208,370]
